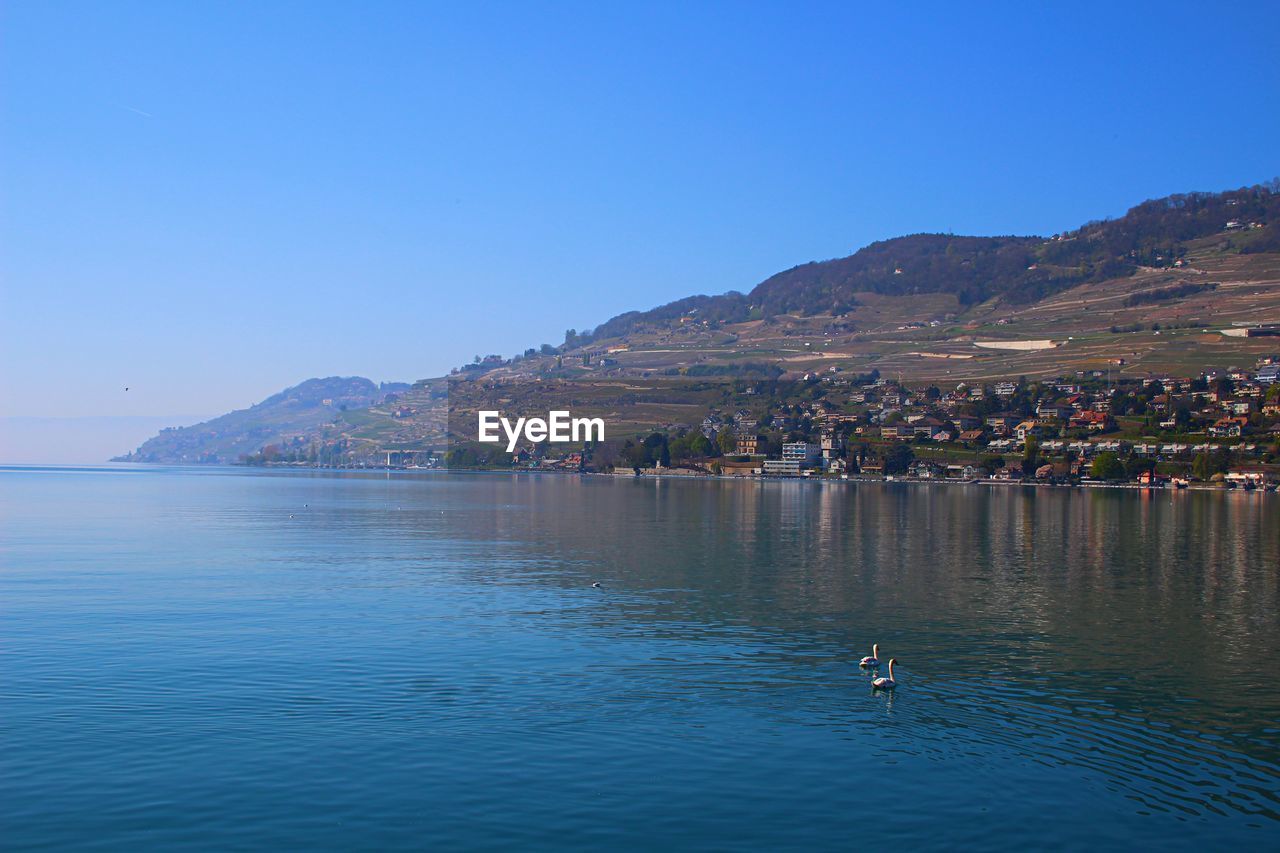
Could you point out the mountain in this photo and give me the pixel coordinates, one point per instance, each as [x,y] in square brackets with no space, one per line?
[1017,270]
[1163,290]
[298,411]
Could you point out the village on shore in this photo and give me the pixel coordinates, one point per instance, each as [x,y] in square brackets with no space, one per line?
[1220,428]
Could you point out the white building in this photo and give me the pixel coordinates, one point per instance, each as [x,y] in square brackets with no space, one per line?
[802,452]
[782,468]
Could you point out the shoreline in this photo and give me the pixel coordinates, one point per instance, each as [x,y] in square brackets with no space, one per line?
[700,477]
[1196,487]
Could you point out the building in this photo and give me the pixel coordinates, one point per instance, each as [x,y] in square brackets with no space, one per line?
[1028,429]
[923,469]
[804,453]
[1053,411]
[1228,427]
[782,468]
[1248,477]
[1152,479]
[831,444]
[926,425]
[749,445]
[732,468]
[1091,420]
[958,471]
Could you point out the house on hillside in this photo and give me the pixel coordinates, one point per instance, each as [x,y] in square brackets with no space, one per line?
[1029,429]
[1053,411]
[926,425]
[1228,427]
[1090,420]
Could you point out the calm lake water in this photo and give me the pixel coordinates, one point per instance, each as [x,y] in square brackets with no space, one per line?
[227,658]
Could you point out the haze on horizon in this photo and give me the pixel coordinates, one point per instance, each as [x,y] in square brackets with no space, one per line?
[208,205]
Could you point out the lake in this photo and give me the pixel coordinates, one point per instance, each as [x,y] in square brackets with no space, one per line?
[215,658]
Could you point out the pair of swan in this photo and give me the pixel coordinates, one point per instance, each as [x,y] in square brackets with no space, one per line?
[872,661]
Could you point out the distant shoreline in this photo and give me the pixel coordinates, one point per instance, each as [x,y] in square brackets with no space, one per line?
[830,481]
[1197,487]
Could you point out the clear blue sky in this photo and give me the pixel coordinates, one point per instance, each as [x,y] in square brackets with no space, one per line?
[208,202]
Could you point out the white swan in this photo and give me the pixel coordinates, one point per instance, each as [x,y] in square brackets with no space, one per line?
[886,683]
[874,659]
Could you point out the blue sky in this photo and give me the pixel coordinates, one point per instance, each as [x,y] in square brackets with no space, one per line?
[209,202]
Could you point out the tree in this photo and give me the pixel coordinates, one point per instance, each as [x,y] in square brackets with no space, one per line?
[1107,466]
[771,444]
[653,449]
[1201,468]
[635,455]
[1207,464]
[691,445]
[725,441]
[1030,455]
[899,459]
[1135,466]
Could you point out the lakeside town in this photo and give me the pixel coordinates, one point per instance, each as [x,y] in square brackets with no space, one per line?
[1220,428]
